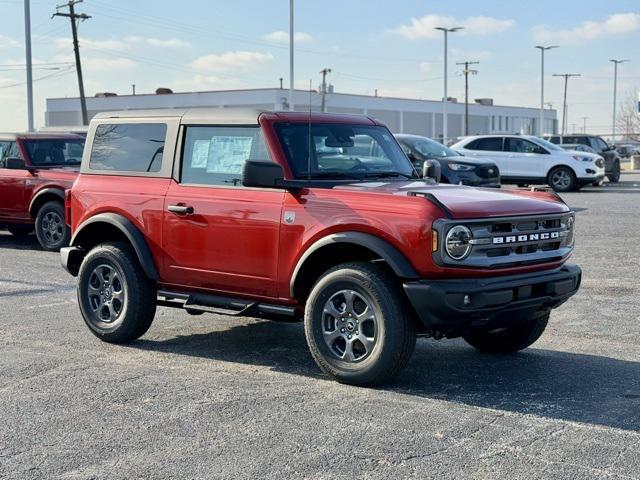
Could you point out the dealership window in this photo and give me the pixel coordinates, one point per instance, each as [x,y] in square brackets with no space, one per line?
[128,147]
[216,155]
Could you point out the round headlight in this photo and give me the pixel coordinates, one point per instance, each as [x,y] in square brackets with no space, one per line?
[457,242]
[570,225]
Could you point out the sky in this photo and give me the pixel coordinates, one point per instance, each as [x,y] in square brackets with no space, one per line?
[390,46]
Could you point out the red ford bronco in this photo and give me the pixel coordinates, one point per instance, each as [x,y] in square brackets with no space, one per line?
[317,217]
[35,170]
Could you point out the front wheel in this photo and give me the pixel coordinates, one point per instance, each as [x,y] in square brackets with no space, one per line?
[117,300]
[356,324]
[52,231]
[614,177]
[510,339]
[562,179]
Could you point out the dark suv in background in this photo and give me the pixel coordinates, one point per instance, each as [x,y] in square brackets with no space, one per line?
[455,167]
[609,153]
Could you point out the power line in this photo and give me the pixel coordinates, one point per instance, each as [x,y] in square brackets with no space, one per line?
[44,77]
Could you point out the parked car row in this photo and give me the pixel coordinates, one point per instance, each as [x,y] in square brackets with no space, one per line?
[37,168]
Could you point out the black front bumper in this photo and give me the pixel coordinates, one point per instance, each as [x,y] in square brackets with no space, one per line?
[453,306]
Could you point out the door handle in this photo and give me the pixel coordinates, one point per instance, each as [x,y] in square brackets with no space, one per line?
[181,209]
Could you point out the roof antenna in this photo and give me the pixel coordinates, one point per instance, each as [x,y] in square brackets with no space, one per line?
[309,153]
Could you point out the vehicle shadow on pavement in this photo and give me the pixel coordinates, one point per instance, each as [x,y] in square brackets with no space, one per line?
[547,383]
[28,243]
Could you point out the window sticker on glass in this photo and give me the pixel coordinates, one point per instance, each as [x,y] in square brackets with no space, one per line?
[228,154]
[200,154]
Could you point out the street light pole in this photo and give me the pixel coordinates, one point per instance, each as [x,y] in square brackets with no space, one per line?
[446,31]
[27,45]
[615,93]
[541,121]
[291,55]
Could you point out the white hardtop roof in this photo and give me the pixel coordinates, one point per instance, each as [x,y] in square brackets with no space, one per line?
[238,116]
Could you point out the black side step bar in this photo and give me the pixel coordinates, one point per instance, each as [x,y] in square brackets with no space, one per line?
[220,305]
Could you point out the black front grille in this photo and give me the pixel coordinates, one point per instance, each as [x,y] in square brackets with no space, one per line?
[511,241]
[488,171]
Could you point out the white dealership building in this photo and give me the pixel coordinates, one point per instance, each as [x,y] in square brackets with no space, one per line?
[401,115]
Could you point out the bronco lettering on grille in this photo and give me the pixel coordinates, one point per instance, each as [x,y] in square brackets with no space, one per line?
[531,237]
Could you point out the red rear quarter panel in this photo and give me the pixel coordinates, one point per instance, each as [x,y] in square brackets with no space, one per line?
[141,200]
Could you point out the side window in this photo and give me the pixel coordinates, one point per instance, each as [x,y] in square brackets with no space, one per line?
[598,144]
[490,144]
[521,145]
[555,140]
[216,155]
[4,149]
[8,150]
[128,147]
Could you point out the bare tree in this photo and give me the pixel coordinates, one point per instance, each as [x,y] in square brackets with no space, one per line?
[628,121]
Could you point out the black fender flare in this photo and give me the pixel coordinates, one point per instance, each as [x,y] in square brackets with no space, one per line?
[390,254]
[133,234]
[45,191]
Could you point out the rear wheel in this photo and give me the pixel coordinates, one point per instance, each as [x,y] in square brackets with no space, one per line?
[356,324]
[20,231]
[562,179]
[117,300]
[510,339]
[51,229]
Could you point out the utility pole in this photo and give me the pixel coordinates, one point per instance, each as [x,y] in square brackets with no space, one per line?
[445,100]
[564,102]
[323,103]
[584,124]
[466,72]
[541,121]
[615,92]
[291,55]
[27,46]
[73,17]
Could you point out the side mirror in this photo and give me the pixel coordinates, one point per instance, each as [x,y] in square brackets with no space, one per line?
[263,174]
[432,169]
[14,163]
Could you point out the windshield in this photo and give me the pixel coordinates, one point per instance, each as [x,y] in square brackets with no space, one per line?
[431,148]
[54,152]
[341,151]
[548,145]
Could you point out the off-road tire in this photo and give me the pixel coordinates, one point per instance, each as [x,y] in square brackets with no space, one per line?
[508,340]
[52,239]
[614,177]
[571,182]
[395,334]
[19,230]
[138,306]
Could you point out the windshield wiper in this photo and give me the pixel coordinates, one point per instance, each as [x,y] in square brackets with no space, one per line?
[387,174]
[331,176]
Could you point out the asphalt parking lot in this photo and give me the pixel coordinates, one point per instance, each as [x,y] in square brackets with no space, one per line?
[216,397]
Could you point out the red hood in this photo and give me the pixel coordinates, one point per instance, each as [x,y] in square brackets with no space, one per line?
[471,202]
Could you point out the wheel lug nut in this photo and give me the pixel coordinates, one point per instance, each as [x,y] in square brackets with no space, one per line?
[342,330]
[357,333]
[349,337]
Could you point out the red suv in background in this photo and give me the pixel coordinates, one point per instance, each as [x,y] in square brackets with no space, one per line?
[35,170]
[307,216]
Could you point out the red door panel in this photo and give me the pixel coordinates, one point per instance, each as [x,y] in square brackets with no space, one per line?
[228,244]
[12,194]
